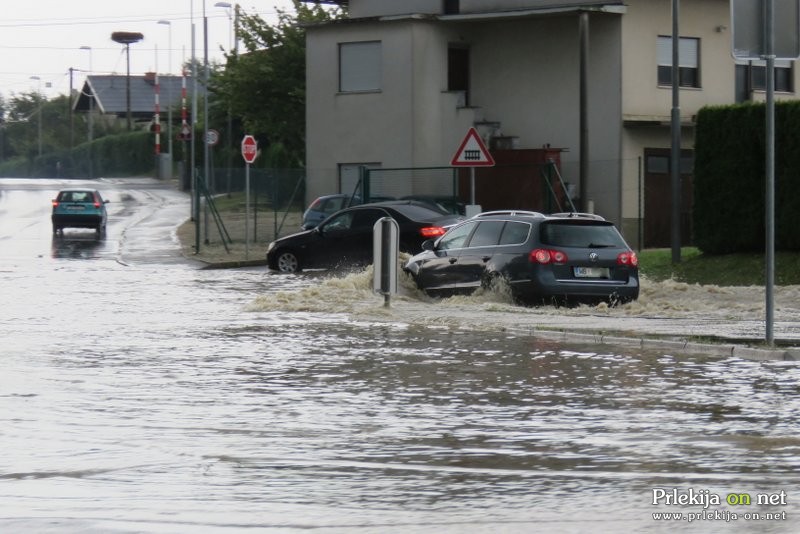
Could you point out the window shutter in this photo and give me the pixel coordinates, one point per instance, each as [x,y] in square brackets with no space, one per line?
[360,66]
[688,52]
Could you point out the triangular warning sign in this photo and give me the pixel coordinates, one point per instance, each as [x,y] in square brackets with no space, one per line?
[472,152]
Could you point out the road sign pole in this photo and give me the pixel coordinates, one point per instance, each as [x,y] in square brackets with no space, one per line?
[765,30]
[770,170]
[472,185]
[247,211]
[249,153]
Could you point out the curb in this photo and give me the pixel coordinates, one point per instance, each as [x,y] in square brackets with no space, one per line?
[231,264]
[676,346]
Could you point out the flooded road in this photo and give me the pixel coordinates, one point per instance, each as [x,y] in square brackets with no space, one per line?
[139,393]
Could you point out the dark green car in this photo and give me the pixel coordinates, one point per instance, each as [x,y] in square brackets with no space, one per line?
[79,208]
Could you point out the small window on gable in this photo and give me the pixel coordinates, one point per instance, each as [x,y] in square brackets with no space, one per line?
[451,7]
[360,66]
[688,61]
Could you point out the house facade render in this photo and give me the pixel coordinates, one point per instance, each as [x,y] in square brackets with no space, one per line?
[398,84]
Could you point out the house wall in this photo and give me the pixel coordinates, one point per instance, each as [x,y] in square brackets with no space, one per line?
[345,128]
[373,8]
[524,76]
[643,99]
[527,78]
[644,21]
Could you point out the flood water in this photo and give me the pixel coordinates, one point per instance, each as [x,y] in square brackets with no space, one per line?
[139,393]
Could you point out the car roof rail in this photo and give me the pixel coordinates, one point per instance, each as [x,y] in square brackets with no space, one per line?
[510,212]
[577,215]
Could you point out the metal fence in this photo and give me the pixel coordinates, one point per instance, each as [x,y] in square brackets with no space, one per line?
[276,203]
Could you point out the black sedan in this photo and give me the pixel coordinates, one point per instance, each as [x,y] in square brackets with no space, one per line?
[345,238]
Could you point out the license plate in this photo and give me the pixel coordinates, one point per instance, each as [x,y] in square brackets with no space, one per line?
[76,208]
[591,272]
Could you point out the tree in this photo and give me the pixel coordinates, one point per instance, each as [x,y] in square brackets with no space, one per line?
[2,129]
[20,122]
[264,87]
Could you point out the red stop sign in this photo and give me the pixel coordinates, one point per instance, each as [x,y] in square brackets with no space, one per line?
[249,148]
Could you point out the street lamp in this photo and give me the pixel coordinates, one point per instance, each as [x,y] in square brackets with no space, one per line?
[91,108]
[227,7]
[169,86]
[39,97]
[127,38]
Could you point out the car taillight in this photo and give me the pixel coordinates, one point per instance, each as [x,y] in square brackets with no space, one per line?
[628,258]
[96,204]
[55,203]
[545,256]
[429,232]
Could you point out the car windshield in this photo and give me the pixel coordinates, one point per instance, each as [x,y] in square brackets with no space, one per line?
[591,234]
[76,196]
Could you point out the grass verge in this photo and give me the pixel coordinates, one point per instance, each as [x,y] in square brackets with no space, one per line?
[725,270]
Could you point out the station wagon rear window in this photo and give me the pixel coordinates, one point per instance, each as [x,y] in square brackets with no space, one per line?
[585,234]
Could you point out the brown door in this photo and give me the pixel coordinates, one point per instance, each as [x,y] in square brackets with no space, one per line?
[658,198]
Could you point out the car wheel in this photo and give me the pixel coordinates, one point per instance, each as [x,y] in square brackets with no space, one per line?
[287,262]
[56,230]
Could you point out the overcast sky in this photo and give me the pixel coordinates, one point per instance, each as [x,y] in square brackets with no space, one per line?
[43,38]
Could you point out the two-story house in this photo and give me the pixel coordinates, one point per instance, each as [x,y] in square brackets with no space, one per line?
[397,85]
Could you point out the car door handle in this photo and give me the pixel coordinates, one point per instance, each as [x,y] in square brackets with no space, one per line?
[453,260]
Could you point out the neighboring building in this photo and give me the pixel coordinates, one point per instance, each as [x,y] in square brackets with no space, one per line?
[398,84]
[108,95]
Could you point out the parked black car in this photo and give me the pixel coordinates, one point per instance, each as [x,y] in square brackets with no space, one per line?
[345,238]
[325,206]
[560,258]
[449,203]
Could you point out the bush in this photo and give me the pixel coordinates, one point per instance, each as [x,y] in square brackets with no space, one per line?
[729,178]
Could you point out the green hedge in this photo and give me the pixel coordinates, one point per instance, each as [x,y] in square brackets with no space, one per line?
[729,178]
[127,154]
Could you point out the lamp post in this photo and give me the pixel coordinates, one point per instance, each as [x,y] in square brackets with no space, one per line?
[227,7]
[91,108]
[39,98]
[169,86]
[127,38]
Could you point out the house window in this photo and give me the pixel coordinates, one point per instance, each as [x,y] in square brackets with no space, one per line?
[688,61]
[655,164]
[752,76]
[458,71]
[360,66]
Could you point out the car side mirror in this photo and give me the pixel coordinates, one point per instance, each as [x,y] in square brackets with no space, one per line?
[427,244]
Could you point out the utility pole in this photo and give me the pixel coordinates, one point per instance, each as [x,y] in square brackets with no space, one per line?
[127,38]
[675,154]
